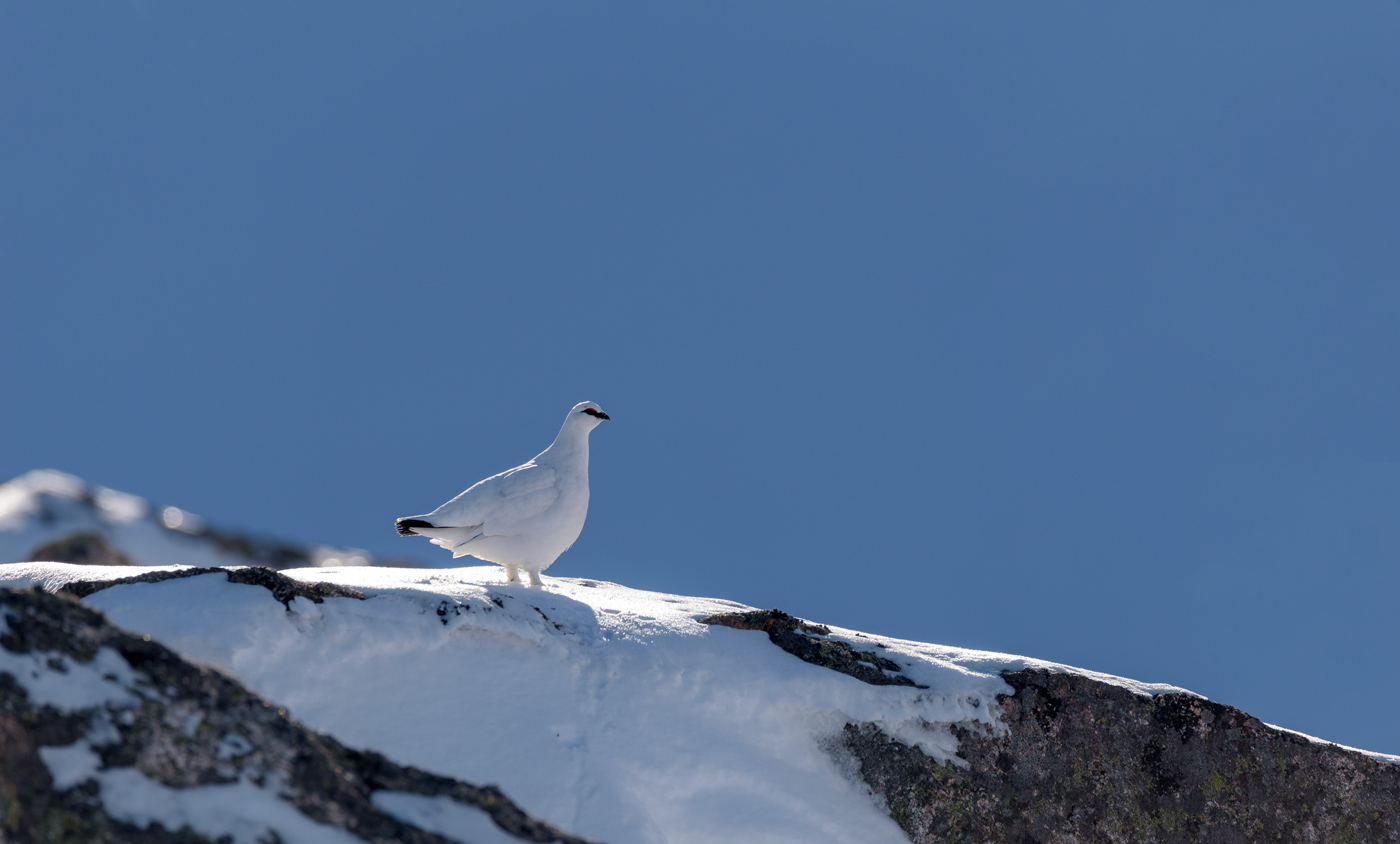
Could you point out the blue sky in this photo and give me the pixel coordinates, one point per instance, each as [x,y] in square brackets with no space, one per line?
[1064,331]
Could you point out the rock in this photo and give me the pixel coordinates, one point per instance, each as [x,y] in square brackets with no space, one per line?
[283,588]
[804,640]
[88,549]
[46,515]
[88,711]
[1088,762]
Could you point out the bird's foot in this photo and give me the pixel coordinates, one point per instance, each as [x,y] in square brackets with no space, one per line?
[535,579]
[512,574]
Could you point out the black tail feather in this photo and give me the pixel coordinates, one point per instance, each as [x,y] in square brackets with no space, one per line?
[406,526]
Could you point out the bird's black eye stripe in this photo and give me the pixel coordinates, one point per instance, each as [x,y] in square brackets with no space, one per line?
[594,412]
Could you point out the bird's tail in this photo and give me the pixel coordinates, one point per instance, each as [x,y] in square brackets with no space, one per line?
[406,526]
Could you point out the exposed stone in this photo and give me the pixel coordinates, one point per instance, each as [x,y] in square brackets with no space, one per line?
[804,640]
[1088,762]
[267,552]
[283,588]
[189,726]
[87,549]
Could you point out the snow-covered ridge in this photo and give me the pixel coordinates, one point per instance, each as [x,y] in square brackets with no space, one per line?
[131,734]
[47,514]
[609,711]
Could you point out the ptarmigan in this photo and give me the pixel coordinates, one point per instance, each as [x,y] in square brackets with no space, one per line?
[526,517]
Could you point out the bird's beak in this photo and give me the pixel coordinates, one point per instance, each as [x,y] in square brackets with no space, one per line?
[602,415]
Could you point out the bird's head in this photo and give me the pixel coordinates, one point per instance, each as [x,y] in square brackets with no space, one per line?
[588,413]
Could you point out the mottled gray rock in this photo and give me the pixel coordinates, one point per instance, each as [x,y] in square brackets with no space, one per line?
[180,726]
[1089,762]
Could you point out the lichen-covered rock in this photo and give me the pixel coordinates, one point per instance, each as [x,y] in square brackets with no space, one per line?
[107,737]
[1088,762]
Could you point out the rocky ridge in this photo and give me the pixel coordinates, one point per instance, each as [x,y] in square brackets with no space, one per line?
[1085,761]
[1081,760]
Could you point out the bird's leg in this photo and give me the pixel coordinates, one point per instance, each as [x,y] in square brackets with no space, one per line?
[535,578]
[511,576]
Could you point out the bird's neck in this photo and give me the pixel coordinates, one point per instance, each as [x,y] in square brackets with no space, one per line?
[570,447]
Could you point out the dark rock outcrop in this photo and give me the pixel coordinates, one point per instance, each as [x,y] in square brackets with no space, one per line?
[283,588]
[84,549]
[1088,762]
[178,726]
[807,642]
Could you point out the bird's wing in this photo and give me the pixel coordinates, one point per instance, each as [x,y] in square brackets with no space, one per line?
[501,501]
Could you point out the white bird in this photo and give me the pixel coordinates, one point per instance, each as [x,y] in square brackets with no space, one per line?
[523,518]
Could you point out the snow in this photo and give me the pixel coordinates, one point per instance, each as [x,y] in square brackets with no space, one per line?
[442,815]
[46,505]
[1384,757]
[611,712]
[70,765]
[620,723]
[53,576]
[240,810]
[52,678]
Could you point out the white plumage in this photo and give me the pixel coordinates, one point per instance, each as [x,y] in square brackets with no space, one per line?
[523,518]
